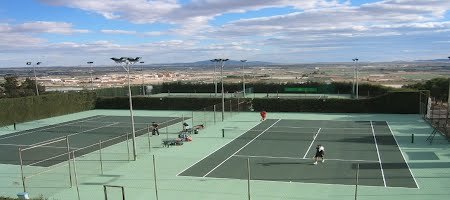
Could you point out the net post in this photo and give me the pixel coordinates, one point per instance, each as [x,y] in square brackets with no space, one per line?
[231,109]
[248,178]
[167,132]
[75,174]
[412,138]
[100,154]
[192,120]
[238,110]
[154,177]
[357,179]
[223,133]
[21,170]
[68,161]
[204,116]
[214,114]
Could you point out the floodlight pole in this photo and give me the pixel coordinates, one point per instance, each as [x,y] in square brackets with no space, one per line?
[91,71]
[222,63]
[35,77]
[142,73]
[126,63]
[355,78]
[243,77]
[214,76]
[448,97]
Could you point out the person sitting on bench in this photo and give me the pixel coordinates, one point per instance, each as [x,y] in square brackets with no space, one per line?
[198,127]
[186,127]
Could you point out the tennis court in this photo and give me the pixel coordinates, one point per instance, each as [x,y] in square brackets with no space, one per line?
[282,150]
[77,135]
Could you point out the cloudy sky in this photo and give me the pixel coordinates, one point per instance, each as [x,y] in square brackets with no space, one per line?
[72,32]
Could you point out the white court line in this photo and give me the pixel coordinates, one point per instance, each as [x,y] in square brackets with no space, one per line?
[242,148]
[302,183]
[297,158]
[401,152]
[218,149]
[312,142]
[297,127]
[378,153]
[29,145]
[39,130]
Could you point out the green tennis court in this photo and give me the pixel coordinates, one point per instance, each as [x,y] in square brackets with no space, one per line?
[77,135]
[282,150]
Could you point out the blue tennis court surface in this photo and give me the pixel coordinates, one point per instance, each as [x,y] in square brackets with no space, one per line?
[282,150]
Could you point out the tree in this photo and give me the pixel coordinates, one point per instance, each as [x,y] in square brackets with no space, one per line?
[28,87]
[11,86]
[438,87]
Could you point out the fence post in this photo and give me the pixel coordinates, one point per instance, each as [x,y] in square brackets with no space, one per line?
[154,176]
[128,148]
[149,142]
[21,170]
[68,161]
[100,153]
[248,180]
[75,174]
[357,179]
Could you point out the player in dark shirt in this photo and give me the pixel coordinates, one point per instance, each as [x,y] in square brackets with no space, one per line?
[320,153]
[155,128]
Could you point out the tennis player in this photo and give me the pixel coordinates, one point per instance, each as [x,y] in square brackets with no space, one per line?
[263,115]
[320,153]
[155,128]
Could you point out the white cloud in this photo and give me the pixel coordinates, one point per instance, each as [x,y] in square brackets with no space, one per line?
[41,27]
[125,32]
[311,26]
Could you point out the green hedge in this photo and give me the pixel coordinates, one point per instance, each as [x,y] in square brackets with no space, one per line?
[322,88]
[44,106]
[393,102]
[152,103]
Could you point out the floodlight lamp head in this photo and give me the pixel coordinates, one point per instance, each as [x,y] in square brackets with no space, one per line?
[118,60]
[142,62]
[28,63]
[225,59]
[90,62]
[133,60]
[38,63]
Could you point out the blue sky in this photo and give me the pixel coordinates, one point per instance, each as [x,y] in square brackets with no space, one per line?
[70,33]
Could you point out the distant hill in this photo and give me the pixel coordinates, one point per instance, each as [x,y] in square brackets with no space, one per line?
[233,62]
[208,63]
[435,60]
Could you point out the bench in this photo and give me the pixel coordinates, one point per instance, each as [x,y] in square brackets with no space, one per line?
[171,141]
